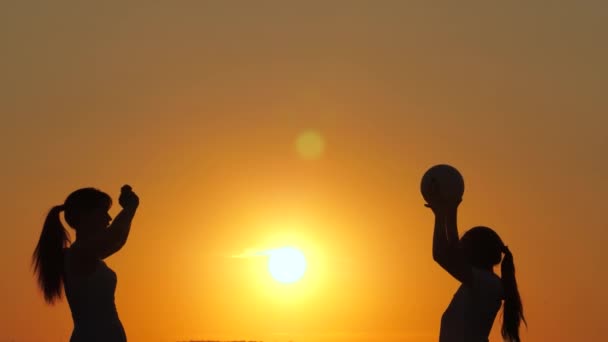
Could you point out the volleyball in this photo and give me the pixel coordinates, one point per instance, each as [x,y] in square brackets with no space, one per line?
[442,182]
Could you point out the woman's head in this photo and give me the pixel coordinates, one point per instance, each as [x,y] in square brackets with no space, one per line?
[85,210]
[482,246]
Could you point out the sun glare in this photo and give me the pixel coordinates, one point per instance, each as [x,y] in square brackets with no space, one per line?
[286,265]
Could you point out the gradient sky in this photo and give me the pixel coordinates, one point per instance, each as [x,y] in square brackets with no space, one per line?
[198,105]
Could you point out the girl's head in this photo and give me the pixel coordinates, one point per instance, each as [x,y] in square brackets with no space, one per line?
[85,210]
[483,248]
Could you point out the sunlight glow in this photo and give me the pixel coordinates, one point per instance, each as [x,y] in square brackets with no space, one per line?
[286,265]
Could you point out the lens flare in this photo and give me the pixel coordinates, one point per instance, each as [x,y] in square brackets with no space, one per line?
[310,144]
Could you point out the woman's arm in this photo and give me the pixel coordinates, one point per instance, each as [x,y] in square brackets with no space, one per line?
[118,232]
[446,251]
[451,225]
[439,236]
[112,239]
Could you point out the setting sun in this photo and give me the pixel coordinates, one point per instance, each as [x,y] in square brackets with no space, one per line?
[286,265]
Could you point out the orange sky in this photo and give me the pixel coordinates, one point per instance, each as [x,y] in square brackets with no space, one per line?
[199,105]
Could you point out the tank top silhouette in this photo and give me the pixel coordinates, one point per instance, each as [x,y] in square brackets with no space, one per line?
[91,301]
[471,313]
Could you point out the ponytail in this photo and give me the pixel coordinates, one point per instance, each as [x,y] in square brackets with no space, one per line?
[513,311]
[48,255]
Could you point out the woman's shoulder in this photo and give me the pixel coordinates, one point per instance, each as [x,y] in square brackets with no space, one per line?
[487,280]
[77,265]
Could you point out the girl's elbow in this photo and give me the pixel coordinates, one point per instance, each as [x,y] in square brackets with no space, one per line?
[438,258]
[442,258]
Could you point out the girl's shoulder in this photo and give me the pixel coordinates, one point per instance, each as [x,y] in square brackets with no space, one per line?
[76,265]
[487,281]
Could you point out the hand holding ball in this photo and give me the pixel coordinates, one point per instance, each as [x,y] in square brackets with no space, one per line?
[442,183]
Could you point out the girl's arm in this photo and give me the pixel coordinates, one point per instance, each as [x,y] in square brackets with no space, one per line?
[112,239]
[440,241]
[446,251]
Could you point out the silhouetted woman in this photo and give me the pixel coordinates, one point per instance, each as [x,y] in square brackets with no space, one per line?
[78,267]
[471,260]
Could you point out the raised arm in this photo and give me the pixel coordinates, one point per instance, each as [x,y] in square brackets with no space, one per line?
[112,239]
[440,241]
[119,231]
[446,251]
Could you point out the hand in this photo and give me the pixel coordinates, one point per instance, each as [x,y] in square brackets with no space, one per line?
[442,207]
[128,199]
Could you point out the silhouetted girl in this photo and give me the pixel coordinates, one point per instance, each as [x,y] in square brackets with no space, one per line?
[78,267]
[471,260]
